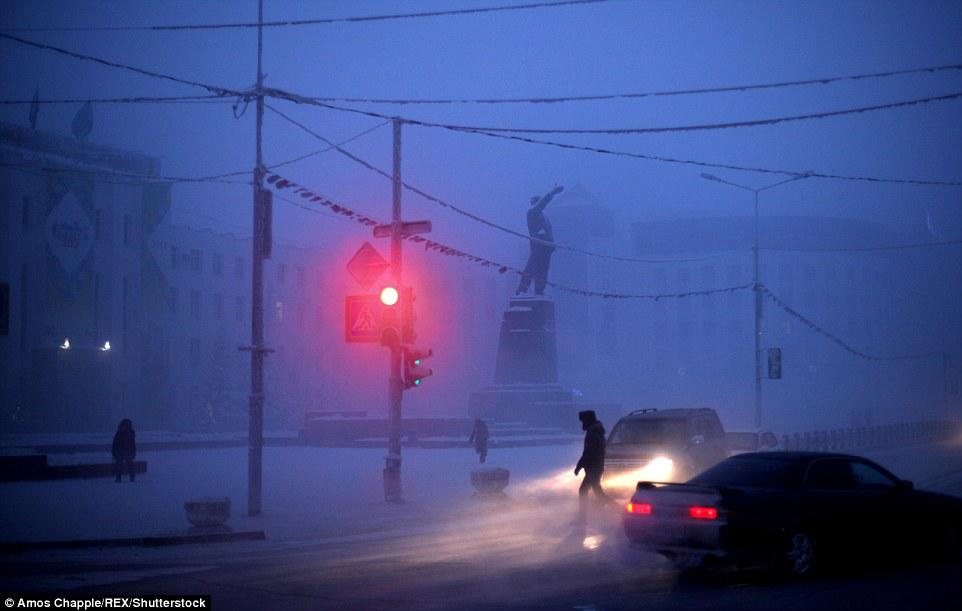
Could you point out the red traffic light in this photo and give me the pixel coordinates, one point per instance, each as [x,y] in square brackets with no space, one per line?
[389,295]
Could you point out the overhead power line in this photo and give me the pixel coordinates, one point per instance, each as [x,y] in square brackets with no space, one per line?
[298,99]
[217,91]
[620,131]
[869,248]
[126,100]
[838,341]
[726,166]
[134,177]
[636,95]
[321,21]
[462,211]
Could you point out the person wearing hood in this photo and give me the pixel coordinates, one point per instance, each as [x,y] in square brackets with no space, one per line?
[592,461]
[124,449]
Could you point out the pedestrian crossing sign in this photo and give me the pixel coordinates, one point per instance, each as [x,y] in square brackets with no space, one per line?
[361,315]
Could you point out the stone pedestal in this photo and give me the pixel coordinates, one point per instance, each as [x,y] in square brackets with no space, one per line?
[526,385]
[527,351]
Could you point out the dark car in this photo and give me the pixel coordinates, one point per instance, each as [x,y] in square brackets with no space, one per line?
[794,511]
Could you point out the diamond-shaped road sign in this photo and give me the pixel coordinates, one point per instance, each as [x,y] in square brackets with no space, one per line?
[367,265]
[361,318]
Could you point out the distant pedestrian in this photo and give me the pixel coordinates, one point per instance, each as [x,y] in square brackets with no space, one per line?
[479,435]
[124,448]
[592,461]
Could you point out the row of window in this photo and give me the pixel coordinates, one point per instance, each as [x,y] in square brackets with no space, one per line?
[240,308]
[193,260]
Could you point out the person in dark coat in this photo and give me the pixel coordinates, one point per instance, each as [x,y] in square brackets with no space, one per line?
[479,435]
[592,461]
[124,448]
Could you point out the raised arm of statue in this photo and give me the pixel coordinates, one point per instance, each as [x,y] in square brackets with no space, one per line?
[544,201]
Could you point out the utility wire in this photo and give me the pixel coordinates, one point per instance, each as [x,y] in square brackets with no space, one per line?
[217,91]
[648,94]
[126,100]
[726,166]
[868,249]
[621,131]
[843,344]
[137,178]
[303,22]
[304,100]
[462,211]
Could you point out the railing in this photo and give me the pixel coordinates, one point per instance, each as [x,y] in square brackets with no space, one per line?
[873,437]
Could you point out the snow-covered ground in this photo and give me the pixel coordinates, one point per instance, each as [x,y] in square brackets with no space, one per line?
[311,493]
[308,492]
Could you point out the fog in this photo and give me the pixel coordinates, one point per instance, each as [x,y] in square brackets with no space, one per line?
[178,367]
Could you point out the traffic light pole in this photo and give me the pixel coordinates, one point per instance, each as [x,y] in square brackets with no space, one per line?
[392,467]
[255,437]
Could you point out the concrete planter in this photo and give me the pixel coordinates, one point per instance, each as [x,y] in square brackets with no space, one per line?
[206,512]
[490,480]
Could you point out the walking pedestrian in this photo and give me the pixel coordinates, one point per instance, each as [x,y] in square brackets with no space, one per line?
[592,461]
[124,449]
[479,435]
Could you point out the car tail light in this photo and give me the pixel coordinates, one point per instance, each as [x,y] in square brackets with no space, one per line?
[642,508]
[703,513]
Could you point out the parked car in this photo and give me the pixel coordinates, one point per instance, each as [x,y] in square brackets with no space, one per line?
[794,511]
[669,445]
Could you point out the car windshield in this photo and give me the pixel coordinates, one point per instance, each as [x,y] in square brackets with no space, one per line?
[650,431]
[752,472]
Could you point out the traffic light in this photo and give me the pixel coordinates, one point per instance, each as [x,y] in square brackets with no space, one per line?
[414,370]
[389,323]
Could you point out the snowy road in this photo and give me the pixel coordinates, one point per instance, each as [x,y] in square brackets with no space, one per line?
[446,550]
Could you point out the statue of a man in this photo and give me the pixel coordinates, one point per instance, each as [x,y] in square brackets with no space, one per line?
[540,257]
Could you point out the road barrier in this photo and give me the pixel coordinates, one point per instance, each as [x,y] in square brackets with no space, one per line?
[873,437]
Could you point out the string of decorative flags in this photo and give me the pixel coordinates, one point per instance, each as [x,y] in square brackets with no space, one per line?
[281,183]
[843,344]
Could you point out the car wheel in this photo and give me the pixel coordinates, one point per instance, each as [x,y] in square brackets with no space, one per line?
[798,559]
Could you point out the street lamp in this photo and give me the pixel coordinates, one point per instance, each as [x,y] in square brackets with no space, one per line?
[756,287]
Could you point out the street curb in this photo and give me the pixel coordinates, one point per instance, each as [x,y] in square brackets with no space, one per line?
[28,546]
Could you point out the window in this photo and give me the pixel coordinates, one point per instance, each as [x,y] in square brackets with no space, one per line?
[300,316]
[281,273]
[194,304]
[830,474]
[279,311]
[239,267]
[868,477]
[300,276]
[684,277]
[217,264]
[218,306]
[173,257]
[195,262]
[126,229]
[172,299]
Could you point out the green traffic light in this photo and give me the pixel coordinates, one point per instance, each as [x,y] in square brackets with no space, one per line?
[417,382]
[417,362]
